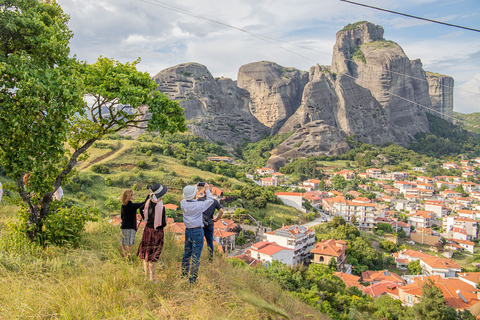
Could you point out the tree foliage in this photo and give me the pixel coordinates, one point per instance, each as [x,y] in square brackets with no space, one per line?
[45,123]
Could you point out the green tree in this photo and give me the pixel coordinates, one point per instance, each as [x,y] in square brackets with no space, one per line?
[45,125]
[388,308]
[433,306]
[414,267]
[388,246]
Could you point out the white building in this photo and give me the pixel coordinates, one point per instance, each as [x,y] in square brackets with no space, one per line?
[269,251]
[298,238]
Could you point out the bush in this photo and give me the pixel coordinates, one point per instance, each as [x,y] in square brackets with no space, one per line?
[62,227]
[101,168]
[65,226]
[113,204]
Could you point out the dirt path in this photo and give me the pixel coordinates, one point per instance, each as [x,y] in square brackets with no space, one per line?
[106,155]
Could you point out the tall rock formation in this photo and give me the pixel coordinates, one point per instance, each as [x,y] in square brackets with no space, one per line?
[441,94]
[372,91]
[275,91]
[383,68]
[215,109]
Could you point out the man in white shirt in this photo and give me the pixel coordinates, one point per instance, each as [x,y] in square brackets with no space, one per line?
[193,220]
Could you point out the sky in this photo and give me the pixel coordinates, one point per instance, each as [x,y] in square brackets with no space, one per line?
[223,35]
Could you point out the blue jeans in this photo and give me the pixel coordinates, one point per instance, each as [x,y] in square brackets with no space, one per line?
[193,250]
[208,231]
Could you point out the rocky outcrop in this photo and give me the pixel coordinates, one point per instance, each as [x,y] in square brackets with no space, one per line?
[441,95]
[215,109]
[275,91]
[372,91]
[314,138]
[383,68]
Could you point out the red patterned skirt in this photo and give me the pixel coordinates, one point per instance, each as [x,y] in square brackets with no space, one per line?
[151,245]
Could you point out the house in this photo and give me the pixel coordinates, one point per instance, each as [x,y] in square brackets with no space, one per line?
[177,228]
[363,175]
[406,205]
[457,293]
[265,171]
[326,250]
[382,275]
[350,280]
[312,182]
[404,257]
[217,194]
[472,278]
[266,251]
[381,288]
[347,174]
[292,199]
[395,176]
[225,239]
[437,207]
[249,260]
[423,219]
[459,245]
[468,225]
[268,182]
[365,187]
[374,173]
[298,238]
[225,225]
[420,169]
[362,209]
[446,268]
[465,163]
[469,214]
[449,165]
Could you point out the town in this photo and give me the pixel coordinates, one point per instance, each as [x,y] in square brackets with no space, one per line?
[439,214]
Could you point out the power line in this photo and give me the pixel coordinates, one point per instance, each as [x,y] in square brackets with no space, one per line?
[270,39]
[411,16]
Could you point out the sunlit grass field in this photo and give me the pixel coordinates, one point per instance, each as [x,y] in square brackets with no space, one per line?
[93,281]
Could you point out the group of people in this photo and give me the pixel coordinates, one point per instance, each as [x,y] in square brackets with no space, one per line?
[197,217]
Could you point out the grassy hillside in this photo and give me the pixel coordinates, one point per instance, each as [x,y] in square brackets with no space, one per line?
[469,121]
[94,282]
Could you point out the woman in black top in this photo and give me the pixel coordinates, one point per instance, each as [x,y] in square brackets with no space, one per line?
[129,221]
[152,240]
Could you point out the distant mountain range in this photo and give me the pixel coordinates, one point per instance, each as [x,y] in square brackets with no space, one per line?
[372,90]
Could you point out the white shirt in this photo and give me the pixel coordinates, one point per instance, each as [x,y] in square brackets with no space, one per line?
[193,211]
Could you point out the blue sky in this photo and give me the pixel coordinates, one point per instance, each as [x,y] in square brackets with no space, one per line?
[128,29]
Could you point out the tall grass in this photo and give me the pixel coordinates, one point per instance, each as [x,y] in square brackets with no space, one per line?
[94,282]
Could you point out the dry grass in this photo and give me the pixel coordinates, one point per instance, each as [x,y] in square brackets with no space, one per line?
[94,282]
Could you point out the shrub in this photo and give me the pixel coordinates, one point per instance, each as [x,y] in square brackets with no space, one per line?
[101,168]
[113,204]
[62,227]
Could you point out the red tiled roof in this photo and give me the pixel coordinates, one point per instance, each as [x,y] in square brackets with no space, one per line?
[382,287]
[329,248]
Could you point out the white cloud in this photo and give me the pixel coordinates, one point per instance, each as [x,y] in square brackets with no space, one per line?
[467,99]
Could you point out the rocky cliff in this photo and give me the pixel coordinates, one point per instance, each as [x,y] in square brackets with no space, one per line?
[372,91]
[275,91]
[441,95]
[215,109]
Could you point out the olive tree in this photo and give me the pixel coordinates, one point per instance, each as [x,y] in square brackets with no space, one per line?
[53,107]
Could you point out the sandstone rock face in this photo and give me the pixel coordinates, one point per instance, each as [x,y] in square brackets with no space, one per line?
[215,109]
[314,138]
[383,68]
[441,94]
[275,91]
